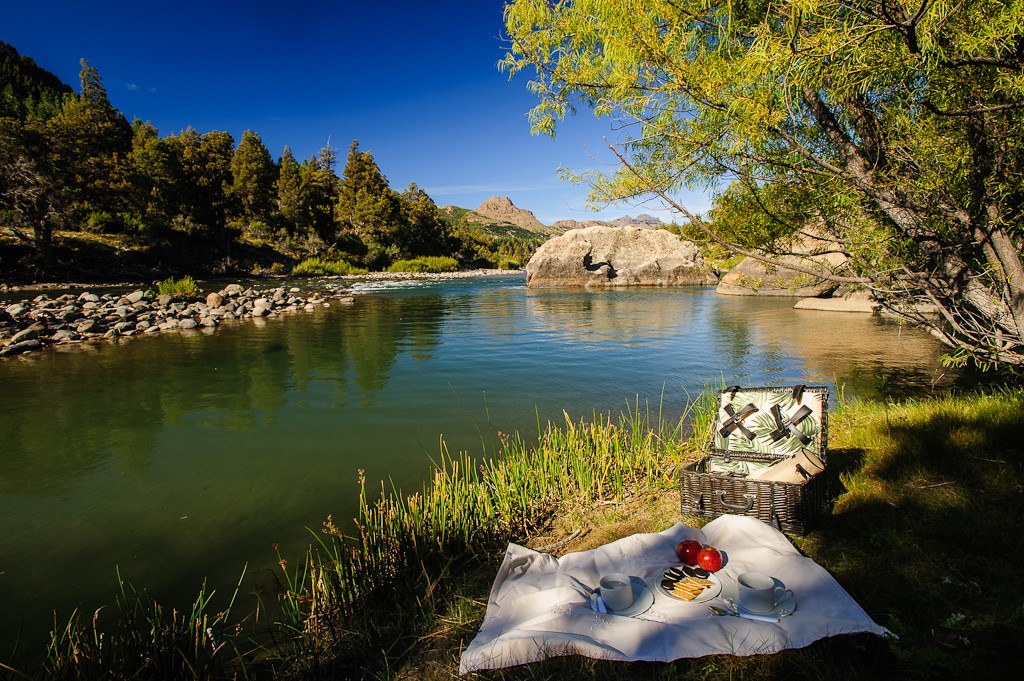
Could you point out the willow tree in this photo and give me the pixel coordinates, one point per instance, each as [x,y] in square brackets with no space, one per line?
[892,126]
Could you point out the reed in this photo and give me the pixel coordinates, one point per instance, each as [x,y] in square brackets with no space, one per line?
[147,640]
[360,598]
[376,585]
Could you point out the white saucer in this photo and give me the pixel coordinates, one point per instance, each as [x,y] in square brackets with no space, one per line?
[784,607]
[643,599]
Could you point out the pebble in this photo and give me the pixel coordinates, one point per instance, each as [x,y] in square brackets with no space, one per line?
[29,325]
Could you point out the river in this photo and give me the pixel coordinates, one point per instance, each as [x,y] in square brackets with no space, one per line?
[184,456]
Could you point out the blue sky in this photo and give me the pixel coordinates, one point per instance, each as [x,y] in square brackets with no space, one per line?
[414,82]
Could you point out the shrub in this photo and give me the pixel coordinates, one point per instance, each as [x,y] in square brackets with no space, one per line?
[313,267]
[431,263]
[185,287]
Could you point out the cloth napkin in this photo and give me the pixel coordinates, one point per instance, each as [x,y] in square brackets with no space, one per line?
[539,605]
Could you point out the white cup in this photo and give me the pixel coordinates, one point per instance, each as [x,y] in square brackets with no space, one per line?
[617,591]
[758,592]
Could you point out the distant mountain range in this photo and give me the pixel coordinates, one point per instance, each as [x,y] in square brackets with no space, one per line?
[499,216]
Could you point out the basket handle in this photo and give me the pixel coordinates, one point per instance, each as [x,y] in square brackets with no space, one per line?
[741,506]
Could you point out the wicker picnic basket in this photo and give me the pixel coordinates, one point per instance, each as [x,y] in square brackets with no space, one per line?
[757,427]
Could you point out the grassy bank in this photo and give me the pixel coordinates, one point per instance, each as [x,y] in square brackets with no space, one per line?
[922,534]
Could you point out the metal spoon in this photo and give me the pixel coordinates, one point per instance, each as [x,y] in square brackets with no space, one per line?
[739,613]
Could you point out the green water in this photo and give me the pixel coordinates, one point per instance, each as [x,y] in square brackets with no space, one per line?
[180,457]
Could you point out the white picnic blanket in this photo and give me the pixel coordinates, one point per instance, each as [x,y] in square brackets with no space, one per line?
[539,605]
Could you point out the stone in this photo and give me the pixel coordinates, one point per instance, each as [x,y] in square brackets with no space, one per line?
[25,335]
[16,310]
[214,300]
[232,290]
[187,323]
[259,311]
[89,326]
[23,346]
[142,325]
[751,277]
[135,296]
[208,322]
[164,300]
[64,336]
[89,298]
[858,301]
[617,256]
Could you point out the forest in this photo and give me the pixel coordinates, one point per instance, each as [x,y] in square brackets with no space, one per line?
[84,192]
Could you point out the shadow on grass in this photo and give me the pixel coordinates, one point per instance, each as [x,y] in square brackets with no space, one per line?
[925,533]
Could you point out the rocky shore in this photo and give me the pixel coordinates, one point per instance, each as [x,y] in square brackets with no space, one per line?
[49,320]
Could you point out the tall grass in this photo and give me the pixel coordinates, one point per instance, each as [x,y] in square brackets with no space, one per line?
[370,588]
[185,287]
[148,641]
[319,267]
[426,263]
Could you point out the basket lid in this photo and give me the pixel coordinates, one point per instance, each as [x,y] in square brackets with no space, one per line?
[776,421]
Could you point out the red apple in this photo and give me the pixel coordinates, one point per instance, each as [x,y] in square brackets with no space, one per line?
[710,559]
[687,551]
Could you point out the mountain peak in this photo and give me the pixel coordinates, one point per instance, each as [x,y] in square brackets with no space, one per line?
[501,209]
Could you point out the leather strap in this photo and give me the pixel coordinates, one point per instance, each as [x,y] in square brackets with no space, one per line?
[734,422]
[784,427]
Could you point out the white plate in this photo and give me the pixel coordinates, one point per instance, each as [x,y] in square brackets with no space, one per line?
[706,595]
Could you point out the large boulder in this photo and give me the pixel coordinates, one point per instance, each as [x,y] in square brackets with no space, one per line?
[842,301]
[754,278]
[617,256]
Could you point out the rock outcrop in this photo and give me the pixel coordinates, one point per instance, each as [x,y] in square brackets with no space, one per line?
[855,301]
[501,209]
[617,256]
[642,220]
[755,278]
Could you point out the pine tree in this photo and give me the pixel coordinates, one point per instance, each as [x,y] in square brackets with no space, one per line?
[423,230]
[89,139]
[366,204]
[253,177]
[289,191]
[319,191]
[206,177]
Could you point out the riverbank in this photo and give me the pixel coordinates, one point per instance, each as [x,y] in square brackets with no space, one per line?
[45,320]
[921,534]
